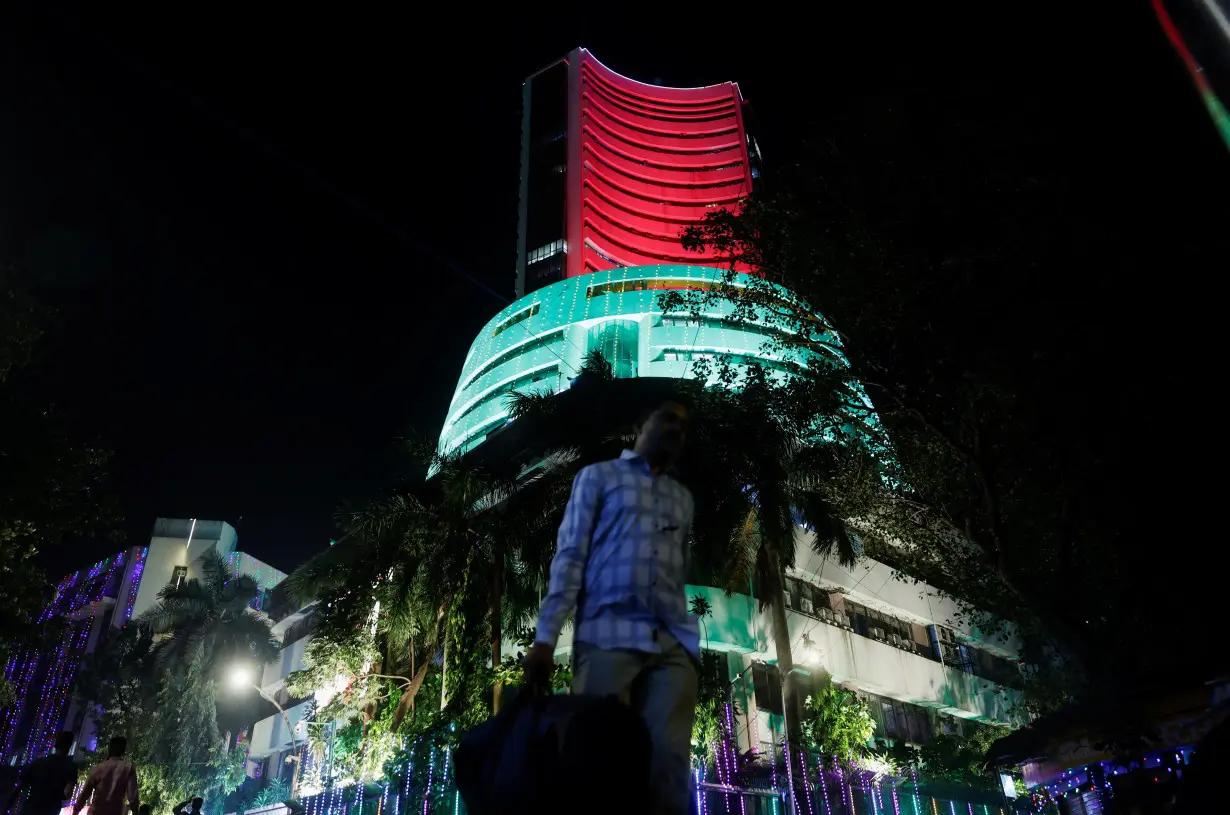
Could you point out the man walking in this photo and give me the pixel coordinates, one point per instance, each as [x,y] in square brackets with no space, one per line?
[621,562]
[48,781]
[110,783]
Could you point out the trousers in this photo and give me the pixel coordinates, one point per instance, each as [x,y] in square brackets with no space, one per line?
[662,688]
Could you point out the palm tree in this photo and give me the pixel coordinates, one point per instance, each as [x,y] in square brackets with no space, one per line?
[470,537]
[757,479]
[206,623]
[199,628]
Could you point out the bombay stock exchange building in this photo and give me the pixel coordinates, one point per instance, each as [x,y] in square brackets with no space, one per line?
[611,171]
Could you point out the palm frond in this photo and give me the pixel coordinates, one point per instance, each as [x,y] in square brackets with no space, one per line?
[215,571]
[830,536]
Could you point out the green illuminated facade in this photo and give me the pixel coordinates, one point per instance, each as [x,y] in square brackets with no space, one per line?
[539,342]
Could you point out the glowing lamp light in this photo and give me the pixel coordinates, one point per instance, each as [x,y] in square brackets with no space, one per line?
[240,677]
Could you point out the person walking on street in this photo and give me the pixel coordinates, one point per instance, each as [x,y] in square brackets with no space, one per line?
[621,562]
[110,783]
[48,781]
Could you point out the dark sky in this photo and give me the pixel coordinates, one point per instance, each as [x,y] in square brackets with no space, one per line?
[257,217]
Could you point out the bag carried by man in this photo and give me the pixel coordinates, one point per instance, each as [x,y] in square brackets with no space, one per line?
[554,754]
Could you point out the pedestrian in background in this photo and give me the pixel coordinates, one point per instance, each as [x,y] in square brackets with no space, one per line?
[48,781]
[110,783]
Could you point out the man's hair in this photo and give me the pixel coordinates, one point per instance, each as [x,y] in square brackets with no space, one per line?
[64,742]
[117,747]
[644,415]
[198,801]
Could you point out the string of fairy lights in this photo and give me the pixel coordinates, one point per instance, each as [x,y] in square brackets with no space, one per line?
[42,679]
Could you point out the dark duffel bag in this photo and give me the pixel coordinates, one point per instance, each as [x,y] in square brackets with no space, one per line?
[554,754]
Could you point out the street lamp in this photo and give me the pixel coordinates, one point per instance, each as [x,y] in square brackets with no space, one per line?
[241,677]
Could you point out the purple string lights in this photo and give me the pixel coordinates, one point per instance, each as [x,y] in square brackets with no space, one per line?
[431,767]
[42,680]
[803,780]
[824,784]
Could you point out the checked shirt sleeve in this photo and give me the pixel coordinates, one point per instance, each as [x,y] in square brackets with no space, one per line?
[571,554]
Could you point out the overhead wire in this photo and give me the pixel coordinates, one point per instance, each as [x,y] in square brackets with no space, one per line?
[300,168]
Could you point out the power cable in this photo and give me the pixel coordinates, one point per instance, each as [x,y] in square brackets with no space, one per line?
[298,167]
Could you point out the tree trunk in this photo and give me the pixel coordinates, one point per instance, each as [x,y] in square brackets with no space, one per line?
[781,643]
[785,667]
[497,633]
[406,703]
[444,675]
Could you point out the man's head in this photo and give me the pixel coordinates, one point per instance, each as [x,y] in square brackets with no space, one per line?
[64,742]
[662,434]
[197,803]
[117,747]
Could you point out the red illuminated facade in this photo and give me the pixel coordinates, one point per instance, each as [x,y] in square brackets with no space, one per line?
[613,169]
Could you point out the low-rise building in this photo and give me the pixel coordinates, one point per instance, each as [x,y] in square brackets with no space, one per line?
[97,601]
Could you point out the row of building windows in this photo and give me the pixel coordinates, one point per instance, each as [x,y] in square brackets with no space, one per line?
[516,351]
[543,252]
[931,642]
[646,284]
[524,314]
[895,720]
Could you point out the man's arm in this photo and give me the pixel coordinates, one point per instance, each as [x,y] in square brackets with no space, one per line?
[571,553]
[86,792]
[68,785]
[133,800]
[179,808]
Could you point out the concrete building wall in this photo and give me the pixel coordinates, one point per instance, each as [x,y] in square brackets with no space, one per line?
[872,583]
[271,735]
[290,659]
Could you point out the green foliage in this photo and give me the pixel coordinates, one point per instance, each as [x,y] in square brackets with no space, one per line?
[511,674]
[274,792]
[50,482]
[712,696]
[961,760]
[162,695]
[948,469]
[208,621]
[837,722]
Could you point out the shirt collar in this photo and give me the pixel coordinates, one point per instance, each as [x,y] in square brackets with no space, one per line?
[631,455]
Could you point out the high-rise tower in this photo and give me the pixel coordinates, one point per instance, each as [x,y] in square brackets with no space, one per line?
[613,169]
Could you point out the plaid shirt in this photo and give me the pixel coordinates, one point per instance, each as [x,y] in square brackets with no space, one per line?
[623,548]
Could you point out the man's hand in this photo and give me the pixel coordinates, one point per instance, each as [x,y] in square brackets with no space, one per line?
[538,664]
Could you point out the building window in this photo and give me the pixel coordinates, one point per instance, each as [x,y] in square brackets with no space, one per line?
[179,576]
[768,687]
[543,252]
[524,314]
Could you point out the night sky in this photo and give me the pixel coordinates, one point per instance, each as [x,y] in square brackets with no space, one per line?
[260,222]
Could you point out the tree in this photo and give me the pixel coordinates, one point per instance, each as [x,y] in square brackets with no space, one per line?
[156,684]
[961,759]
[758,477]
[836,722]
[50,481]
[459,557]
[209,623]
[921,247]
